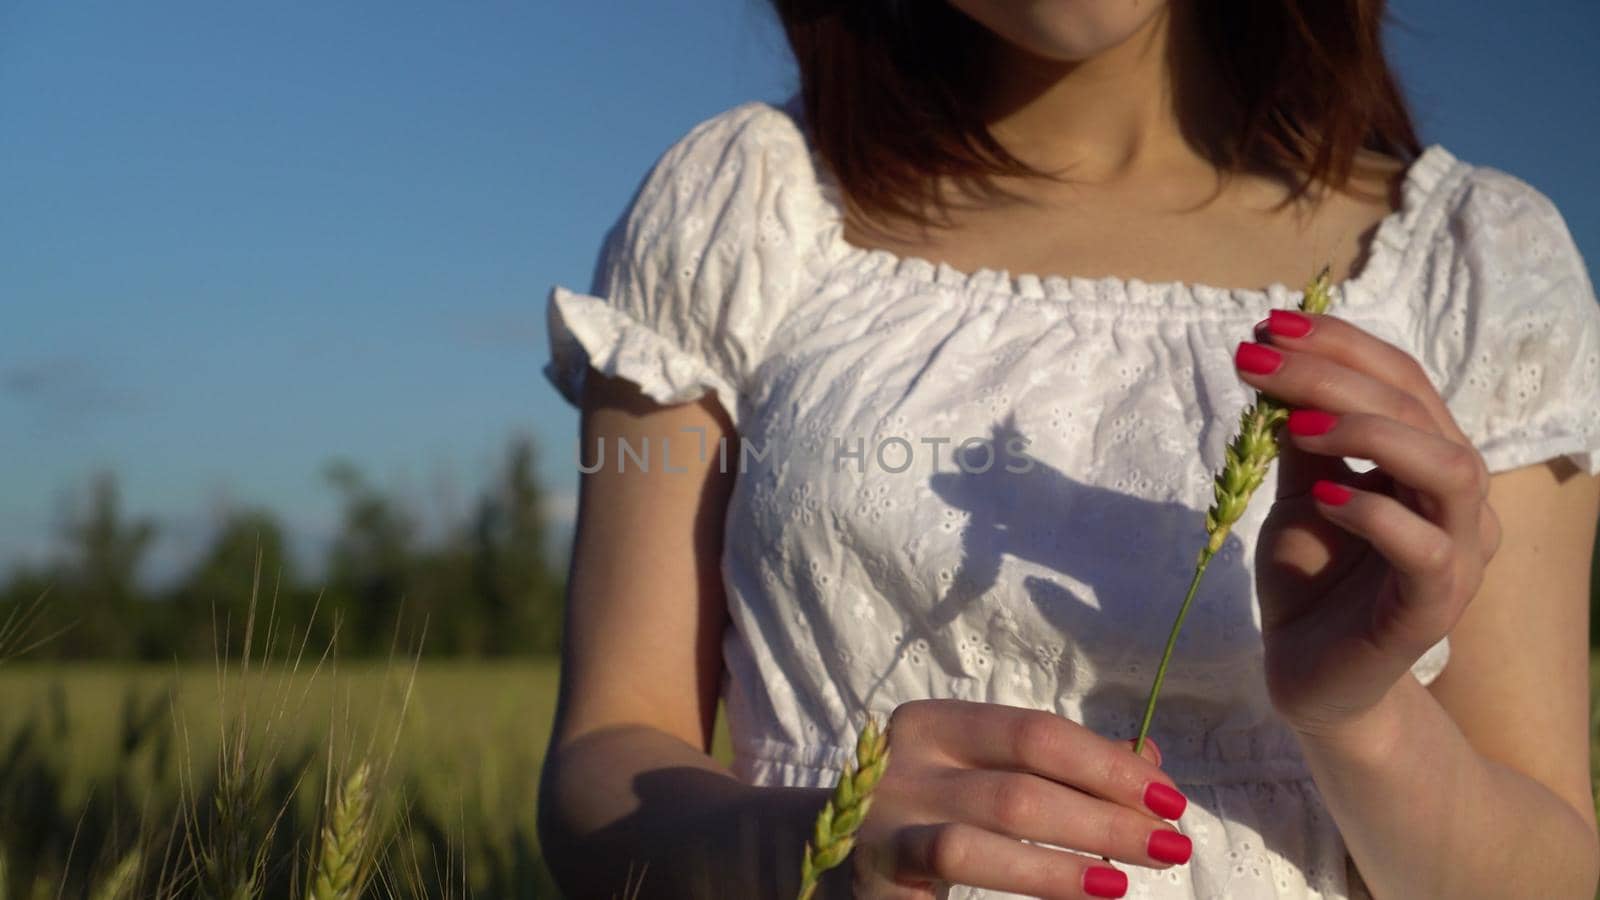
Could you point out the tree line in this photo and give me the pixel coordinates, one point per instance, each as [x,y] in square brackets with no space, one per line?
[485,587]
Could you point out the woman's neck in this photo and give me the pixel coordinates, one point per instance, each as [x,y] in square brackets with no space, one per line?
[1101,119]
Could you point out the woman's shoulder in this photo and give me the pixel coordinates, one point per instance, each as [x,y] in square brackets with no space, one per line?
[1485,208]
[767,134]
[1507,323]
[1464,226]
[738,182]
[1486,188]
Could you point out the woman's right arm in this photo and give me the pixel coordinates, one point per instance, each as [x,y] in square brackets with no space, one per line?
[630,798]
[631,803]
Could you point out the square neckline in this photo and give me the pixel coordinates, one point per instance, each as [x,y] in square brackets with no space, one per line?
[1374,275]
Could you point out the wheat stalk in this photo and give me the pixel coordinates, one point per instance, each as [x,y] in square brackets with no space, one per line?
[343,865]
[122,880]
[834,834]
[231,866]
[1249,455]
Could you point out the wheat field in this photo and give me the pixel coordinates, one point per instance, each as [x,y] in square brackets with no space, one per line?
[463,766]
[465,756]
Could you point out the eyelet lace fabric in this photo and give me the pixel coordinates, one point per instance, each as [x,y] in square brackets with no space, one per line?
[991,486]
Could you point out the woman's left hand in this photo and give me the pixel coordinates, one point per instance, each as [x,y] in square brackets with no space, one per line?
[1359,573]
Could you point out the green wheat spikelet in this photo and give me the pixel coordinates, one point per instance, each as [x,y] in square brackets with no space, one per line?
[342,867]
[120,883]
[1248,457]
[834,835]
[231,867]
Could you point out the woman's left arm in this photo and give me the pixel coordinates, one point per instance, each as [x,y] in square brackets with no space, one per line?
[1478,784]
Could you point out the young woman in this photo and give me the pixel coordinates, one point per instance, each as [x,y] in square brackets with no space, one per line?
[924,376]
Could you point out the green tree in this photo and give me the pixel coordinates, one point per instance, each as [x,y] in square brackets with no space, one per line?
[209,604]
[96,584]
[514,581]
[373,563]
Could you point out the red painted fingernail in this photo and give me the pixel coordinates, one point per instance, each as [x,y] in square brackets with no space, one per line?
[1285,323]
[1103,881]
[1258,359]
[1164,801]
[1169,846]
[1331,493]
[1310,421]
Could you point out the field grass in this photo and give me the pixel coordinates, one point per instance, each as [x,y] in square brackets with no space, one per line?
[459,711]
[468,751]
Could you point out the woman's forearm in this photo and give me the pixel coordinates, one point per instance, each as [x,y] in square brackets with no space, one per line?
[633,809]
[1423,814]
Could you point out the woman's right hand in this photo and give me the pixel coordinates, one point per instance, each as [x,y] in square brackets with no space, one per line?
[966,780]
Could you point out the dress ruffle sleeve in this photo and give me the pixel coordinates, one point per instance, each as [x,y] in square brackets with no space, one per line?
[693,275]
[1515,343]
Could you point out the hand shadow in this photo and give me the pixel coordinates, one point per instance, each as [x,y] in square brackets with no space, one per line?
[1127,561]
[729,842]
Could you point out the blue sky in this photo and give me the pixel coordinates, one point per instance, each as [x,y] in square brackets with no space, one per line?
[240,240]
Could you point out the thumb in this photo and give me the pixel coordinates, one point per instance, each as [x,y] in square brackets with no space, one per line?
[1150,752]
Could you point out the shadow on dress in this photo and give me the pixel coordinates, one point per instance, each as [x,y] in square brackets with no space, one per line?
[1097,522]
[1006,508]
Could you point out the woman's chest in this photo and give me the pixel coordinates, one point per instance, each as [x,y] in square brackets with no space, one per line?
[950,454]
[918,381]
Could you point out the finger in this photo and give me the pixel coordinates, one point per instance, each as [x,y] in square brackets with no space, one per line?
[1150,751]
[873,875]
[1447,474]
[1354,347]
[1490,535]
[1023,805]
[965,854]
[1421,553]
[996,736]
[1297,379]
[1298,470]
[872,887]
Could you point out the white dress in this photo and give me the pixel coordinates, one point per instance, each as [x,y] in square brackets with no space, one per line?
[877,553]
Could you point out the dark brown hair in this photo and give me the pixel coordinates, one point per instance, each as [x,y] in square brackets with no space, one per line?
[891,92]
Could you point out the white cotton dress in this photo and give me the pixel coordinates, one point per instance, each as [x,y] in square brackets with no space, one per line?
[881,545]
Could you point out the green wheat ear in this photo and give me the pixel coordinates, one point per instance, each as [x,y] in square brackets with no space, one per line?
[834,834]
[344,864]
[118,885]
[1248,458]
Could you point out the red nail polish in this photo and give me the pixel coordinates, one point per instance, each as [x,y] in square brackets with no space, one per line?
[1164,801]
[1258,359]
[1286,323]
[1169,846]
[1103,881]
[1331,493]
[1310,421]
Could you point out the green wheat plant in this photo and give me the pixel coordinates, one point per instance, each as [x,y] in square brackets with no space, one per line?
[122,882]
[834,835]
[1247,459]
[343,866]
